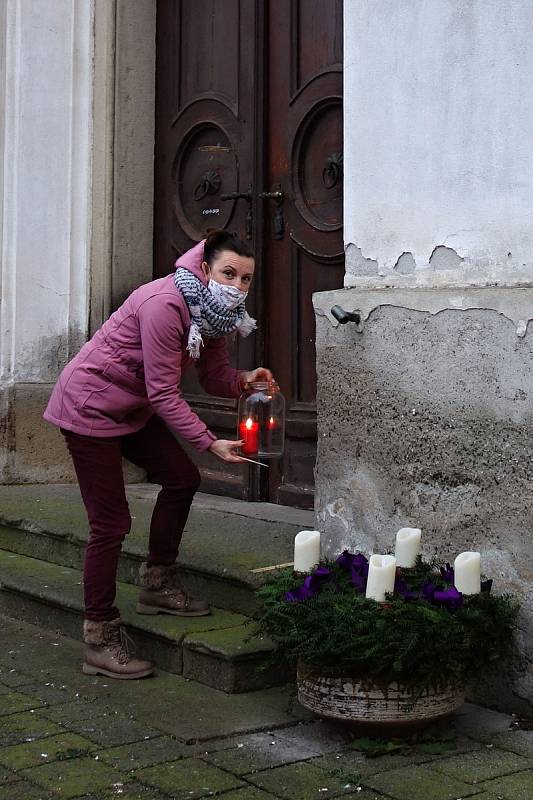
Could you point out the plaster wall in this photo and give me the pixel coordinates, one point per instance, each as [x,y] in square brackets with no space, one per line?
[438,162]
[76,194]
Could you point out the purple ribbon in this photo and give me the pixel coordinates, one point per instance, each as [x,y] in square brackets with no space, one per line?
[447,573]
[357,565]
[450,598]
[310,586]
[401,588]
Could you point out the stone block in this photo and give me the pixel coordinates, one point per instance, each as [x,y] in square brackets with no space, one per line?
[74,776]
[26,727]
[425,412]
[259,751]
[33,754]
[419,783]
[302,781]
[188,778]
[482,765]
[512,787]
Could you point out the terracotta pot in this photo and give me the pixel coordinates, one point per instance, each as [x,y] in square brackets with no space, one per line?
[399,709]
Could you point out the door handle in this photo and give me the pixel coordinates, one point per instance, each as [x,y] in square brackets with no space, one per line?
[237,196]
[278,220]
[277,196]
[249,222]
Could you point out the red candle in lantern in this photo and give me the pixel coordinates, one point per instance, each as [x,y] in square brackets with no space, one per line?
[271,424]
[249,433]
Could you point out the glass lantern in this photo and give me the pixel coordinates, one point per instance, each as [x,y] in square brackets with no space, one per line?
[261,424]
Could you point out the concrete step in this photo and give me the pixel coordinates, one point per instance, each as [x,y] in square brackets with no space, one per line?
[216,650]
[224,541]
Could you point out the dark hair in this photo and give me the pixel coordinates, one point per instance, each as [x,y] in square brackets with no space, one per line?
[220,240]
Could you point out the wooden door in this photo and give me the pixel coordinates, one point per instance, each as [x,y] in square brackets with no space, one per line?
[248,101]
[305,253]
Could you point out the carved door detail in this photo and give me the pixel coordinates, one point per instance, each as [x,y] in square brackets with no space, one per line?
[249,138]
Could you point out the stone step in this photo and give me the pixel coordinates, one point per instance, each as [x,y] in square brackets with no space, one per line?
[216,650]
[224,541]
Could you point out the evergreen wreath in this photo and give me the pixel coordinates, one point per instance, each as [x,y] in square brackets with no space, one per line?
[425,634]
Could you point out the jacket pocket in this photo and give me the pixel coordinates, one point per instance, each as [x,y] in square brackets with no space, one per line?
[124,378]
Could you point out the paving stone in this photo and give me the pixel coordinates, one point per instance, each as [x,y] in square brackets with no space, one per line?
[13,677]
[477,722]
[301,781]
[257,752]
[50,693]
[74,777]
[7,776]
[249,793]
[24,727]
[512,787]
[188,778]
[516,740]
[144,754]
[419,783]
[15,701]
[319,736]
[114,730]
[355,766]
[126,791]
[24,790]
[192,712]
[76,711]
[64,745]
[482,765]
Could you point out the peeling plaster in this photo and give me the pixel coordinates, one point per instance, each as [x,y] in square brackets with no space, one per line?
[445,258]
[515,304]
[444,267]
[406,264]
[359,265]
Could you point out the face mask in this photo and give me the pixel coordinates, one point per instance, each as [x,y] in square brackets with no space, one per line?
[228,296]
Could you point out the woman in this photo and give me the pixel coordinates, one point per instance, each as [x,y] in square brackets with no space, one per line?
[120,397]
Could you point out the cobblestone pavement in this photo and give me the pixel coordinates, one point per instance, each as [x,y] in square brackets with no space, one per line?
[64,734]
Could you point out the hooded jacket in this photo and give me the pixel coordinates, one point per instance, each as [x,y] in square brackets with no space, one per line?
[132,367]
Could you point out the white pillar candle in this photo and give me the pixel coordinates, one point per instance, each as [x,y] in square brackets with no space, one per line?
[306,550]
[381,576]
[467,573]
[407,546]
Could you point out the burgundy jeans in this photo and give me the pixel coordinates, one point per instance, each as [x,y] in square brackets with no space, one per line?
[98,465]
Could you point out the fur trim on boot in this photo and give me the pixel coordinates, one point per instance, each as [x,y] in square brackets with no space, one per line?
[162,593]
[157,576]
[97,633]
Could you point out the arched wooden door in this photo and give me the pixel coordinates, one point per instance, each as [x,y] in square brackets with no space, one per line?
[249,138]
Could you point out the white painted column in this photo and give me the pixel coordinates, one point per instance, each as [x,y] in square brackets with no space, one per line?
[45,191]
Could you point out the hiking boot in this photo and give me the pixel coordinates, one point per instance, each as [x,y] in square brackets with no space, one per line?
[110,651]
[162,593]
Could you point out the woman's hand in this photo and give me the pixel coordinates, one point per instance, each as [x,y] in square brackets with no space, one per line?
[226,450]
[259,374]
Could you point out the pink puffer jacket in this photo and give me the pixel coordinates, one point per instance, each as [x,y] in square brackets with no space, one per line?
[132,368]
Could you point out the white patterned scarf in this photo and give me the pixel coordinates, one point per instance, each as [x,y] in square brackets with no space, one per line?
[209,317]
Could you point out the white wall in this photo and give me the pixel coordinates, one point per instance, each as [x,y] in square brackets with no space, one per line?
[438,128]
[45,225]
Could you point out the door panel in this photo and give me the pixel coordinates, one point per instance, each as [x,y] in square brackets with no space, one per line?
[304,123]
[206,147]
[249,97]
